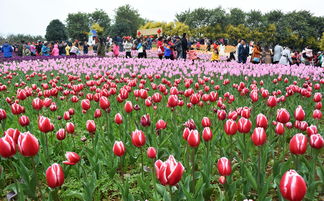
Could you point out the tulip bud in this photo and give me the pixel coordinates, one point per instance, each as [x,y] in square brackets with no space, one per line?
[146,120]
[259,136]
[230,127]
[69,127]
[261,121]
[299,113]
[72,158]
[292,186]
[205,122]
[207,134]
[224,166]
[55,176]
[85,104]
[3,114]
[60,134]
[28,144]
[119,148]
[283,115]
[193,138]
[151,152]
[24,121]
[244,125]
[8,146]
[138,138]
[118,118]
[316,141]
[128,107]
[160,124]
[222,180]
[91,126]
[298,144]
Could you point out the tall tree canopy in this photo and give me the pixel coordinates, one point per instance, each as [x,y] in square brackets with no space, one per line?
[127,21]
[56,31]
[101,18]
[78,26]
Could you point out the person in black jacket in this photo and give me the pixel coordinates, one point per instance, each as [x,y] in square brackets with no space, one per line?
[243,52]
[184,45]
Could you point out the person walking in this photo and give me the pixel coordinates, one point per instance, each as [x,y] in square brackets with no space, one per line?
[184,45]
[215,54]
[178,47]
[277,53]
[140,49]
[7,50]
[85,47]
[160,48]
[115,49]
[128,47]
[55,52]
[243,52]
[285,57]
[256,54]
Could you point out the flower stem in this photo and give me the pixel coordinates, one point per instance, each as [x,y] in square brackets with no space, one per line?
[193,169]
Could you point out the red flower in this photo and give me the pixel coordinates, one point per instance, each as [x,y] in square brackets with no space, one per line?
[3,114]
[173,101]
[292,186]
[317,97]
[280,128]
[119,148]
[299,113]
[118,118]
[283,115]
[55,176]
[194,99]
[230,127]
[138,138]
[222,180]
[261,121]
[190,124]
[169,172]
[146,120]
[272,101]
[104,102]
[28,144]
[69,127]
[37,104]
[316,141]
[193,138]
[85,104]
[244,125]
[60,134]
[24,120]
[14,133]
[205,122]
[317,114]
[45,125]
[259,136]
[72,158]
[224,166]
[91,126]
[298,144]
[97,113]
[207,134]
[151,152]
[8,146]
[128,107]
[160,124]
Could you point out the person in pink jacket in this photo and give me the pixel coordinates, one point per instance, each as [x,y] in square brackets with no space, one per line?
[55,51]
[115,49]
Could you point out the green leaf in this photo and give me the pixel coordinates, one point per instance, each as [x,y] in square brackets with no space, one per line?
[250,178]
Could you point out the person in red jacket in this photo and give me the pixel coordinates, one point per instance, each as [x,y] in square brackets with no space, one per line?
[160,48]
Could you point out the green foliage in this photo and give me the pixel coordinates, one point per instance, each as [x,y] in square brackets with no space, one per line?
[295,29]
[78,26]
[16,38]
[322,42]
[56,31]
[101,18]
[170,29]
[127,21]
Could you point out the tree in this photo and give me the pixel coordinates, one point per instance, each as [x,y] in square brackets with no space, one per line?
[236,17]
[169,29]
[56,31]
[322,42]
[78,25]
[127,21]
[101,18]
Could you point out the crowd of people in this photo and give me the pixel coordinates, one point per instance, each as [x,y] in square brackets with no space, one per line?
[169,48]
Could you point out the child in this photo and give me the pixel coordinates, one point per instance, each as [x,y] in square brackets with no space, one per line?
[115,50]
[193,55]
[215,54]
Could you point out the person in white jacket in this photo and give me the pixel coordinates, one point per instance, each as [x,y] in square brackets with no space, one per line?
[277,53]
[285,57]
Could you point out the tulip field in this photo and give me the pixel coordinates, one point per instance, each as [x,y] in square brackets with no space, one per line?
[149,129]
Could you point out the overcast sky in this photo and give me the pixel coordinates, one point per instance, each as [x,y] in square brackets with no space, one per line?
[32,16]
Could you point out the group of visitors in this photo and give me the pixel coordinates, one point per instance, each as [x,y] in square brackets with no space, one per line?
[168,48]
[43,48]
